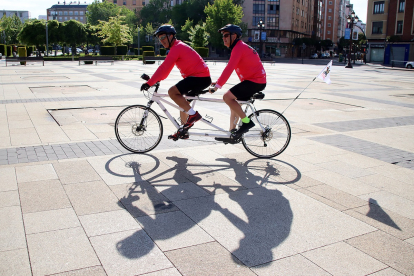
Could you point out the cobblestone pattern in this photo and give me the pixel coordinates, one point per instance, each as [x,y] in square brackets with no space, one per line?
[368,124]
[384,153]
[63,99]
[373,100]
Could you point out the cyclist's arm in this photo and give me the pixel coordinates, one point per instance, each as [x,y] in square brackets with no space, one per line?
[164,69]
[234,60]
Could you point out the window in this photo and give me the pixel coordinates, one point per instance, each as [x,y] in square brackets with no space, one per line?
[399,27]
[377,27]
[272,0]
[134,2]
[115,2]
[71,13]
[329,10]
[60,13]
[143,3]
[256,20]
[81,19]
[329,32]
[330,2]
[329,17]
[297,11]
[71,18]
[273,9]
[65,13]
[81,13]
[66,18]
[271,22]
[76,12]
[379,7]
[329,24]
[258,8]
[60,18]
[124,3]
[76,18]
[401,6]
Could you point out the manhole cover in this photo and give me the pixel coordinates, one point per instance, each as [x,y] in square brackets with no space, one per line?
[89,116]
[45,78]
[73,89]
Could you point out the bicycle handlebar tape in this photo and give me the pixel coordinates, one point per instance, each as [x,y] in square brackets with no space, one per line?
[145,77]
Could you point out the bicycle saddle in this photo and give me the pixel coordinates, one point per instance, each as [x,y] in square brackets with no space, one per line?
[258,96]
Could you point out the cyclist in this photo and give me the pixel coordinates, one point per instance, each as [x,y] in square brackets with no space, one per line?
[245,60]
[192,68]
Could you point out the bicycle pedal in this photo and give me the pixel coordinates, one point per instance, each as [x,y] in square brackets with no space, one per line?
[172,137]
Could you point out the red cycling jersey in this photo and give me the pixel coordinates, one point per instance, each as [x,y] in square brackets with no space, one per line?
[247,63]
[187,60]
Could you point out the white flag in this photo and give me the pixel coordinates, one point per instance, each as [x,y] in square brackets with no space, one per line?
[324,75]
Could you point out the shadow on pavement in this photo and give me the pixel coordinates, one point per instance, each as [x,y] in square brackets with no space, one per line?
[377,213]
[267,217]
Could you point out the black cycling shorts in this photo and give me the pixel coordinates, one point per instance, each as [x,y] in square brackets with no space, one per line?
[246,89]
[190,85]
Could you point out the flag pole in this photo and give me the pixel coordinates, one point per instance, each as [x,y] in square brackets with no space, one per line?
[305,88]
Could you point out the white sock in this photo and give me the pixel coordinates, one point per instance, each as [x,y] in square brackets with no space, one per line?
[191,111]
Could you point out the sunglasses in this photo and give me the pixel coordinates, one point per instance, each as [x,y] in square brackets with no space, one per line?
[226,35]
[162,37]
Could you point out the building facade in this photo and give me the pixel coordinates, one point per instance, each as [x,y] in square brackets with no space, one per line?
[133,5]
[284,21]
[65,11]
[390,19]
[22,15]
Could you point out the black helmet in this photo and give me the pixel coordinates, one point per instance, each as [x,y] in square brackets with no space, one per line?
[233,29]
[165,29]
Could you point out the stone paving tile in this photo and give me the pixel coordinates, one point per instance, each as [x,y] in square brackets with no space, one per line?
[75,172]
[173,230]
[343,259]
[91,197]
[8,180]
[387,272]
[337,196]
[129,253]
[11,229]
[374,100]
[42,196]
[15,262]
[108,222]
[9,198]
[35,173]
[50,220]
[60,251]
[207,259]
[387,249]
[385,220]
[290,266]
[90,271]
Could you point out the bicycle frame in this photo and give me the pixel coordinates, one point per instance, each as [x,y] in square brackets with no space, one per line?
[160,99]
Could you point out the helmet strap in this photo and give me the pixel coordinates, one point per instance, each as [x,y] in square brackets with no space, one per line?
[169,42]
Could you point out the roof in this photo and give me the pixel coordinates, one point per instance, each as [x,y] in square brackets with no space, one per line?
[68,6]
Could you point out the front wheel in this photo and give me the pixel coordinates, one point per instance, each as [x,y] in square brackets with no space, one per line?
[138,128]
[271,141]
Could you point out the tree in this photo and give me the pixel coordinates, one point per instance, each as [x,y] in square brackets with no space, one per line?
[156,12]
[33,33]
[92,34]
[183,34]
[220,13]
[74,34]
[114,31]
[11,26]
[198,36]
[102,11]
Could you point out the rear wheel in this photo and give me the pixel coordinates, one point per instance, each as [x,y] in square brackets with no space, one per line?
[409,66]
[273,140]
[138,133]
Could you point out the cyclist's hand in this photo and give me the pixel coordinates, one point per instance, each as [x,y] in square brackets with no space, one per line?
[145,86]
[212,89]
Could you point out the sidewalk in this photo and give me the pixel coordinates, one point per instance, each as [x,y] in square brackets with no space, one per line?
[338,201]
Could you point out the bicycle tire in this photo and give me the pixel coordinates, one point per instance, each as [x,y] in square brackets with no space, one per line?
[275,141]
[130,136]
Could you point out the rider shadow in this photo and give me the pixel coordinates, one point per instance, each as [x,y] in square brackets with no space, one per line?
[267,216]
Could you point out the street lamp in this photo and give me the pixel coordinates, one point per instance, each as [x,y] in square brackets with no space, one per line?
[352,19]
[260,25]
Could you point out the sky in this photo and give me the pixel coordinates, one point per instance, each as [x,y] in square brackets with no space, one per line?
[38,7]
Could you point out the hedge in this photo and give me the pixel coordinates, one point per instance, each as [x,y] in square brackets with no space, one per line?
[107,50]
[148,54]
[147,48]
[30,50]
[22,53]
[202,51]
[121,50]
[163,51]
[3,49]
[136,51]
[9,50]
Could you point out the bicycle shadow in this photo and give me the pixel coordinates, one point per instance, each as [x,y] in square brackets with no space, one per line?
[261,213]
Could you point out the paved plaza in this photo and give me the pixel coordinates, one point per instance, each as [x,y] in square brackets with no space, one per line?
[338,201]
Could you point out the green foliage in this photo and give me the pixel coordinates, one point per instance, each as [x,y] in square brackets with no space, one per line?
[192,10]
[30,50]
[3,49]
[183,34]
[107,50]
[91,34]
[148,48]
[33,33]
[136,51]
[149,29]
[114,31]
[163,51]
[198,36]
[156,11]
[222,12]
[202,51]
[11,26]
[122,50]
[103,11]
[74,34]
[55,31]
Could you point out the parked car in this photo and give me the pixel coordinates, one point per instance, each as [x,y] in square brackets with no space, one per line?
[315,55]
[325,55]
[410,65]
